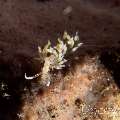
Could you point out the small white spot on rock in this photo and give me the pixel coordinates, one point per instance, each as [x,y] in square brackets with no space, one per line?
[67,10]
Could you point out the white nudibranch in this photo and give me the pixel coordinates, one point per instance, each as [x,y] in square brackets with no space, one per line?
[53,57]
